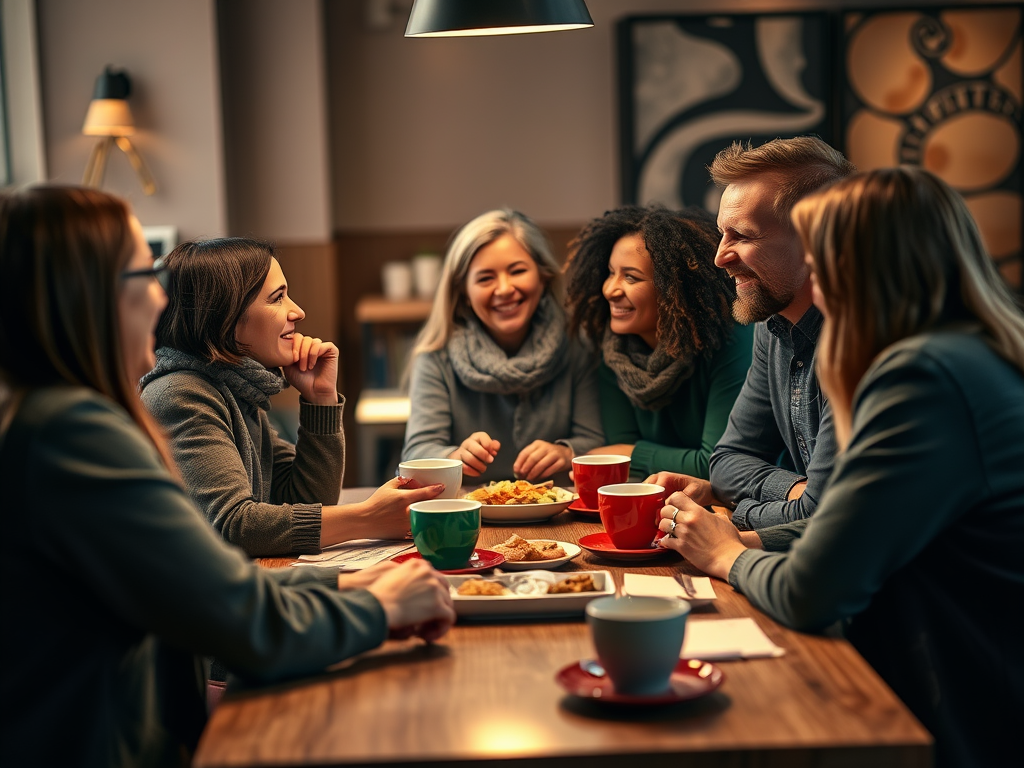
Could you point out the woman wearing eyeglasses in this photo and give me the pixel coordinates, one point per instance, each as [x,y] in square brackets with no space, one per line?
[113,581]
[228,341]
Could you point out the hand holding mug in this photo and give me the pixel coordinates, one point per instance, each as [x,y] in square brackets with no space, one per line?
[707,540]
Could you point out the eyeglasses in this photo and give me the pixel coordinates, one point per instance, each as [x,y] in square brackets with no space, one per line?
[158,270]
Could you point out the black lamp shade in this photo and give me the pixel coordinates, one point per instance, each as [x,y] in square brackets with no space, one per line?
[457,18]
[112,85]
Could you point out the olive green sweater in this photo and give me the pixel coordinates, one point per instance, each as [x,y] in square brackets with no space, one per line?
[681,436]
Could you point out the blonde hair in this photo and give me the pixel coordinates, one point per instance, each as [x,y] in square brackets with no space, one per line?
[896,253]
[451,307]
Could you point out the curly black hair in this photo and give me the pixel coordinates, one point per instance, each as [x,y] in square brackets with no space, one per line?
[694,296]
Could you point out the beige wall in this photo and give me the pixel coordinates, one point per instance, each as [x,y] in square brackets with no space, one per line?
[169,50]
[429,133]
[272,75]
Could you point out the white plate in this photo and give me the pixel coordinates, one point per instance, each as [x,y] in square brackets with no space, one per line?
[529,606]
[571,550]
[526,513]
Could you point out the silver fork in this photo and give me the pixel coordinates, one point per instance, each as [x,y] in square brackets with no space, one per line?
[686,583]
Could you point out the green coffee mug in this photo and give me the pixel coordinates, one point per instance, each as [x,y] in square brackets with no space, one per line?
[445,531]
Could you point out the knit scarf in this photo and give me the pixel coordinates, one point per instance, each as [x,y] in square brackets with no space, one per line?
[483,366]
[248,381]
[647,377]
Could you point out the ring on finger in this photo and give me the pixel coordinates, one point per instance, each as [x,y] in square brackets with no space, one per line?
[672,530]
[674,516]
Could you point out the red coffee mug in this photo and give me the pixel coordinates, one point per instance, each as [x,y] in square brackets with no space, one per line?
[592,471]
[631,513]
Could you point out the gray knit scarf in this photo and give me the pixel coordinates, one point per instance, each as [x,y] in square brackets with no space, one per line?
[647,377]
[483,366]
[248,381]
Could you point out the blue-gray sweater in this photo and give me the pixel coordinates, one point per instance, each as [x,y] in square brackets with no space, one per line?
[780,429]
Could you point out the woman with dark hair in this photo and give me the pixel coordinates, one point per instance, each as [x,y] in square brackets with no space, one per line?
[226,343]
[643,287]
[119,582]
[922,359]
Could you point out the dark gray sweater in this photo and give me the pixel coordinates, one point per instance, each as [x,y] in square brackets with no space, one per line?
[919,542]
[260,491]
[113,581]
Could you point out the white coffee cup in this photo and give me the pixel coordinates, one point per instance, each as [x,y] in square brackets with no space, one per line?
[426,274]
[397,279]
[433,471]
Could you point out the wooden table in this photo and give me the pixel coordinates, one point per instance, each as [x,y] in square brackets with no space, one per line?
[487,693]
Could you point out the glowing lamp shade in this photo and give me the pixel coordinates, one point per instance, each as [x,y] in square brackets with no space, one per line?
[472,18]
[108,117]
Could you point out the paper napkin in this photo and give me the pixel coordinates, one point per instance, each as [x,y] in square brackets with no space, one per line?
[356,555]
[641,584]
[721,639]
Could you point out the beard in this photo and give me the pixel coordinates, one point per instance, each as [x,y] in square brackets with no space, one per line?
[760,303]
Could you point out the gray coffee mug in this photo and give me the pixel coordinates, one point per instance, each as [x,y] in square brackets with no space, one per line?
[638,640]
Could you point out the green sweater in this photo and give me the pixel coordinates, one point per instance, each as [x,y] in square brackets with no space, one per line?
[681,436]
[114,581]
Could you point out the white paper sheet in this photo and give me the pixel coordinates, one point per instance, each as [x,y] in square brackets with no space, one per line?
[641,584]
[356,555]
[722,639]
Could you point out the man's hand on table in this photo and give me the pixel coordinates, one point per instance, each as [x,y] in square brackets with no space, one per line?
[697,489]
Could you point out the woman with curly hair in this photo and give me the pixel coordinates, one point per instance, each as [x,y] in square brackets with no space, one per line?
[644,289]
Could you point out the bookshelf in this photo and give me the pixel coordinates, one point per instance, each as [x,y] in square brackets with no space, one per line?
[388,330]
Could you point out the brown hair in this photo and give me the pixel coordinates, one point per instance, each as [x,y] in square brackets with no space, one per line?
[63,250]
[801,164]
[694,296]
[212,283]
[895,253]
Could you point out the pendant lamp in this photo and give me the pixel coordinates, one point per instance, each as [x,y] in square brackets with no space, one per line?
[472,18]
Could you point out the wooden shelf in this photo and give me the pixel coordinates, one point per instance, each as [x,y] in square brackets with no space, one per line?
[377,309]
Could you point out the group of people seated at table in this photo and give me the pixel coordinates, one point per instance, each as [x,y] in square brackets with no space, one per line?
[835,361]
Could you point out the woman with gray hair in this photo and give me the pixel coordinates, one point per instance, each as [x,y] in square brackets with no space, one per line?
[494,380]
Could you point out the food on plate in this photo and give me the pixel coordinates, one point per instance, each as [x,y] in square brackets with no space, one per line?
[517,549]
[517,492]
[579,582]
[528,585]
[482,587]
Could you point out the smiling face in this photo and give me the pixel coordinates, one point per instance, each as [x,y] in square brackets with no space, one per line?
[504,287]
[139,305]
[267,327]
[761,254]
[630,292]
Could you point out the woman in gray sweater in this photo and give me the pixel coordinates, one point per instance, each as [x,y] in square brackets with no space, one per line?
[228,342]
[917,543]
[495,381]
[114,581]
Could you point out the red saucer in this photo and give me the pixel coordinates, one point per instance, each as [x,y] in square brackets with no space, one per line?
[577,506]
[601,545]
[482,560]
[690,680]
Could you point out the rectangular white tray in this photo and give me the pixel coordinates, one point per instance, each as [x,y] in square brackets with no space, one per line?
[529,606]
